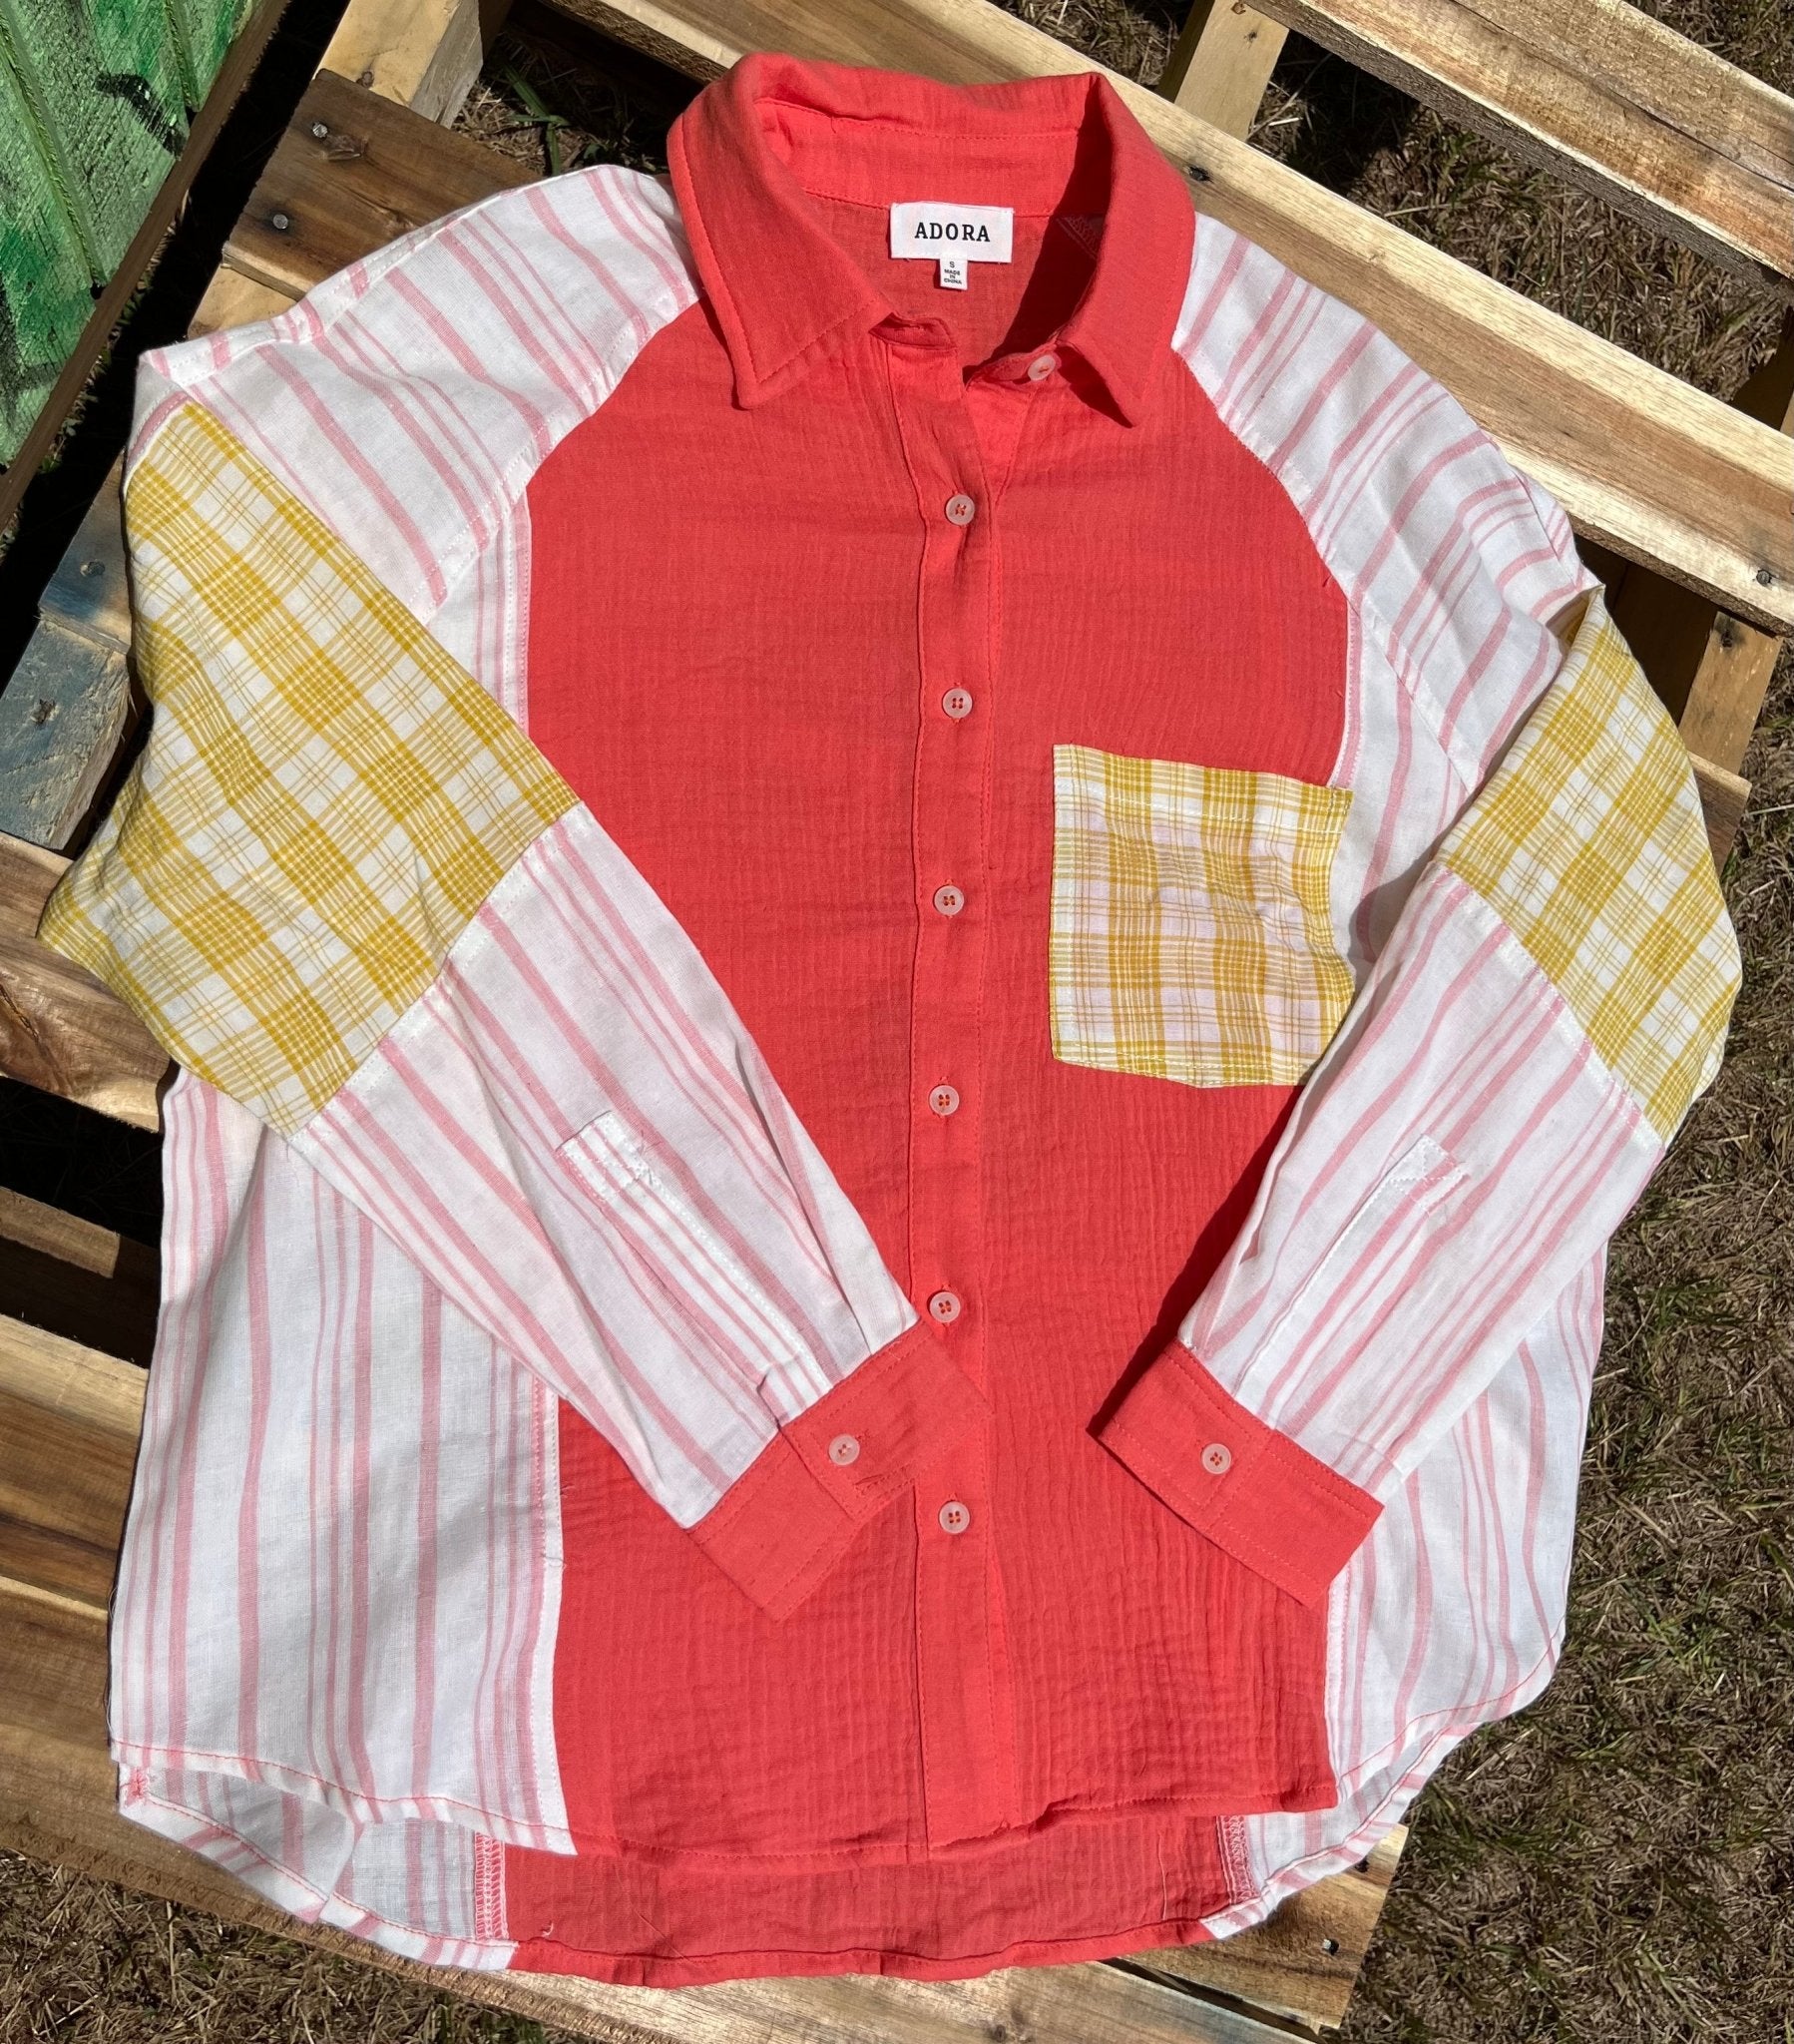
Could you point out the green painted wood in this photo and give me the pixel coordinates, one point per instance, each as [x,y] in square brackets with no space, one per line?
[203,30]
[104,89]
[45,294]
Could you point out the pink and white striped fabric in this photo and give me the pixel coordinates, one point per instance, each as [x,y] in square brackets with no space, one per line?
[623,1488]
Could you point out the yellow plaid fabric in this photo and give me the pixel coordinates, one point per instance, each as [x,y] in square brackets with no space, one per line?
[1588,841]
[324,801]
[1192,937]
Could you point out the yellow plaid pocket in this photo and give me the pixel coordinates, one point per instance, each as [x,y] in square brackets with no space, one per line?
[1588,841]
[1191,932]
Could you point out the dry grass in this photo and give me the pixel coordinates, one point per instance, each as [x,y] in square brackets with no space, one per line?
[1616,1865]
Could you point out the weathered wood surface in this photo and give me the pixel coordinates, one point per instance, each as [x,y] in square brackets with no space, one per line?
[68,706]
[375,172]
[104,89]
[421,54]
[69,1423]
[59,1029]
[1660,473]
[1222,62]
[1712,670]
[45,418]
[233,300]
[74,1279]
[69,1420]
[1597,92]
[1318,1939]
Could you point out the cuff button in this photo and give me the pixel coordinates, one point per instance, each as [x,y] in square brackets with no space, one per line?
[1217,1458]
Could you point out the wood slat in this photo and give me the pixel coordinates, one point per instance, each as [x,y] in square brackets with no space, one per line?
[1222,62]
[377,172]
[76,1279]
[1304,1962]
[421,54]
[69,1423]
[69,706]
[1598,93]
[1660,473]
[1713,670]
[59,1029]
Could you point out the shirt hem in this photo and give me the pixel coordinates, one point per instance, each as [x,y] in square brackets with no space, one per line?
[549,1955]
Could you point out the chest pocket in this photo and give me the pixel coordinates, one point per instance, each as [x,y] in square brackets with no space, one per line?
[1192,937]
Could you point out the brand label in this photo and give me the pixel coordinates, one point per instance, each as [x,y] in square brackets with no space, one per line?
[931,227]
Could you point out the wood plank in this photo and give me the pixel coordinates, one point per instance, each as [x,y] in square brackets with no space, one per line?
[67,712]
[105,92]
[1222,62]
[233,300]
[1598,93]
[69,706]
[375,172]
[103,316]
[69,1423]
[1724,797]
[1304,1962]
[421,54]
[59,1029]
[1718,670]
[1660,473]
[76,1279]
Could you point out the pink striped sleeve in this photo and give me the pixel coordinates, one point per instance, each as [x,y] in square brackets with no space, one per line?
[1545,966]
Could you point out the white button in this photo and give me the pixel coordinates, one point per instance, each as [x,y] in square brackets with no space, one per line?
[944,1099]
[1041,367]
[959,508]
[843,1449]
[955,1517]
[957,702]
[1217,1458]
[945,1306]
[949,901]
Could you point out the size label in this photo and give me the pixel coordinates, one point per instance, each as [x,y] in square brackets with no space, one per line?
[936,230]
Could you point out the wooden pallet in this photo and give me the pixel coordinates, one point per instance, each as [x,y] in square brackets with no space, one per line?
[1682,501]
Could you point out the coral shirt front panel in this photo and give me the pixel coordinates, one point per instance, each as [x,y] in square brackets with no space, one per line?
[808,660]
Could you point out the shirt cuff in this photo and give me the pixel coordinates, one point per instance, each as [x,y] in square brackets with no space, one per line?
[781,1526]
[1251,1490]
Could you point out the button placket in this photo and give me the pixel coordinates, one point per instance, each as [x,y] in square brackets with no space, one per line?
[965,1708]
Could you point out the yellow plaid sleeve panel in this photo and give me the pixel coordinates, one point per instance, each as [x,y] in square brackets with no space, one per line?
[1551,995]
[1588,842]
[343,887]
[1190,935]
[325,800]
